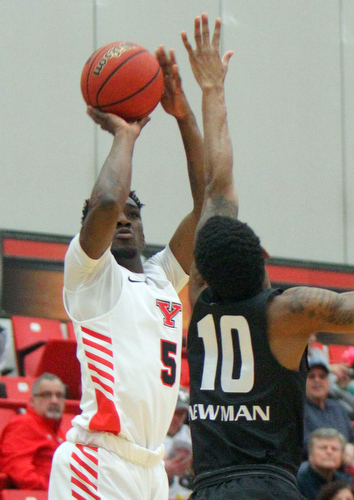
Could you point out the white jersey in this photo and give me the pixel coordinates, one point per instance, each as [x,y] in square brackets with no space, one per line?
[128,328]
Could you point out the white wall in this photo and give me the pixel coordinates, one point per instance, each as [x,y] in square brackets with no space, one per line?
[291,112]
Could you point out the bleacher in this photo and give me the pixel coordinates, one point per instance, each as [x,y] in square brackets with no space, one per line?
[35,346]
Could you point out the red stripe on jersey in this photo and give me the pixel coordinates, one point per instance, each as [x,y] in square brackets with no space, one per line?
[97,335]
[99,359]
[106,418]
[84,465]
[100,372]
[104,386]
[84,488]
[77,496]
[97,346]
[82,476]
[82,447]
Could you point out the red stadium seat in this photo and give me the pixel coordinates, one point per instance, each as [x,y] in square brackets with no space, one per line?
[66,422]
[17,388]
[30,335]
[59,358]
[18,391]
[335,353]
[40,348]
[24,495]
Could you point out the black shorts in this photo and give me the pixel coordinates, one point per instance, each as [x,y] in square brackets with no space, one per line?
[246,485]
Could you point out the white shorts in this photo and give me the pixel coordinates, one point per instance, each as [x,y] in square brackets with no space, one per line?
[88,472]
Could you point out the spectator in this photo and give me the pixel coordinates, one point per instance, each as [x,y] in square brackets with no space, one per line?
[319,351]
[340,376]
[321,411]
[29,440]
[178,450]
[326,453]
[336,490]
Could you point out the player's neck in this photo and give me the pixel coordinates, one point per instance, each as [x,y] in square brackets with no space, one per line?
[129,258]
[132,264]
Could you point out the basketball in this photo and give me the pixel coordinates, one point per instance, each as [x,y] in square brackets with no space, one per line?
[122,78]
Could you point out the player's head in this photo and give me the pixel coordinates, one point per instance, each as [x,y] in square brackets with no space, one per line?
[128,242]
[229,257]
[48,396]
[132,195]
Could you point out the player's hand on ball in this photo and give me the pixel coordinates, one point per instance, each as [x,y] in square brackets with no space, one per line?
[113,123]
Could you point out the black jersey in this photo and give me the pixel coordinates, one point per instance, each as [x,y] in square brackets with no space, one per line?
[245,408]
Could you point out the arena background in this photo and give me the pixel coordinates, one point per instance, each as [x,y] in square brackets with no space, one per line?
[290,98]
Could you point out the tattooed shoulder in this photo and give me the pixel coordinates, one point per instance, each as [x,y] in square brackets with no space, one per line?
[320,303]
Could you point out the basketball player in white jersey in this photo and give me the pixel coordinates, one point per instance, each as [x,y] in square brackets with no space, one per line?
[128,322]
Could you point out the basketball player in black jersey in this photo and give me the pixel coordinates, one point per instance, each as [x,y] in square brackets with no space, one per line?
[246,341]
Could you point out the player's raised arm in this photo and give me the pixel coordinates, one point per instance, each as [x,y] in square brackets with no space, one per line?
[312,310]
[301,311]
[175,103]
[111,190]
[209,70]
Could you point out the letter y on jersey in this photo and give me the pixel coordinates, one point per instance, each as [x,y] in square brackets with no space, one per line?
[169,311]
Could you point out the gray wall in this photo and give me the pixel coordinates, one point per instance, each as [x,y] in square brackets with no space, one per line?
[290,97]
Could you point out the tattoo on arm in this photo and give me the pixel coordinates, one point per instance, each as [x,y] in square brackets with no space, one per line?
[322,304]
[219,206]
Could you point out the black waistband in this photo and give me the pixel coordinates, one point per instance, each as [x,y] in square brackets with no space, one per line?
[228,473]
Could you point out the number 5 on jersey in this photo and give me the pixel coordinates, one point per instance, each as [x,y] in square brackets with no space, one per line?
[168,357]
[229,325]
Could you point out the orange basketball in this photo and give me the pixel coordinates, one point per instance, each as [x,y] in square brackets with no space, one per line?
[122,78]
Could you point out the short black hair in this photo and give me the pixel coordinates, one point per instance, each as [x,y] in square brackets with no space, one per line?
[229,257]
[85,208]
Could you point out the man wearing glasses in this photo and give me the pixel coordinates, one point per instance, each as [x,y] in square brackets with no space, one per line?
[29,440]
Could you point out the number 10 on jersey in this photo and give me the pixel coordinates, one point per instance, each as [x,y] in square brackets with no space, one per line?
[228,325]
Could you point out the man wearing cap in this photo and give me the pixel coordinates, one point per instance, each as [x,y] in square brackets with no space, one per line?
[178,450]
[322,411]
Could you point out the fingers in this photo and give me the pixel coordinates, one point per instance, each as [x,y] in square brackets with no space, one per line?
[205,30]
[216,36]
[197,34]
[186,43]
[143,121]
[226,58]
[162,57]
[202,34]
[96,115]
[167,62]
[172,56]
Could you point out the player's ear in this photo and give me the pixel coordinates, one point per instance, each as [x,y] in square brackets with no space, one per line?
[265,253]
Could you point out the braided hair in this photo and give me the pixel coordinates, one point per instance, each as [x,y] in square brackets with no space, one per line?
[229,257]
[85,208]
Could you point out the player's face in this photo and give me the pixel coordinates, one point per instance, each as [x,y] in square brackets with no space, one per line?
[129,235]
[317,385]
[49,399]
[326,453]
